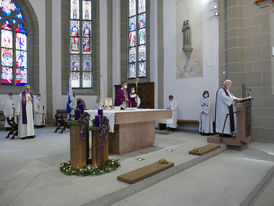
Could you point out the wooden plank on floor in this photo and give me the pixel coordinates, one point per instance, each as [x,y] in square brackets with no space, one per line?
[204,149]
[144,172]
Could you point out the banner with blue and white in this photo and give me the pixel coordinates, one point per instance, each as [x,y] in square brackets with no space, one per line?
[70,97]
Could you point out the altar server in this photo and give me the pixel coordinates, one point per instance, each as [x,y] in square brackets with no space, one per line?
[137,100]
[172,104]
[225,105]
[205,126]
[25,107]
[123,98]
[9,109]
[39,111]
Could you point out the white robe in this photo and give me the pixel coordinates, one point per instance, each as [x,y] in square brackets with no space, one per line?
[25,130]
[222,104]
[9,110]
[138,99]
[172,123]
[39,113]
[205,125]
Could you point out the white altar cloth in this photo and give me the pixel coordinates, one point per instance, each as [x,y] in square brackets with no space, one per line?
[110,114]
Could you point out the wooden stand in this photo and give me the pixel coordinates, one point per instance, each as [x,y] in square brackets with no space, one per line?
[243,136]
[99,153]
[78,149]
[61,120]
[14,128]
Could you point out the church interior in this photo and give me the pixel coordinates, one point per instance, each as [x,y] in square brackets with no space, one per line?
[137,102]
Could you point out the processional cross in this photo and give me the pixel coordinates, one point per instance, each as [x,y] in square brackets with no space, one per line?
[136,83]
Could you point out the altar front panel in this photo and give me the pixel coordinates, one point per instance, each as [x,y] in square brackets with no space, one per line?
[133,129]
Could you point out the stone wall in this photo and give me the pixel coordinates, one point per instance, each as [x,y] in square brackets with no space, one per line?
[245,58]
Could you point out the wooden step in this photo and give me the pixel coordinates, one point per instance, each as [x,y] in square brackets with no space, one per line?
[204,149]
[144,172]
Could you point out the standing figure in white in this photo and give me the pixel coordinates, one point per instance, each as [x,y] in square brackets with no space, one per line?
[39,111]
[173,105]
[225,109]
[205,126]
[25,107]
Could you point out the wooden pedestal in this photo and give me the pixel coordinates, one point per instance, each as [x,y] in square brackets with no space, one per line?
[78,148]
[99,153]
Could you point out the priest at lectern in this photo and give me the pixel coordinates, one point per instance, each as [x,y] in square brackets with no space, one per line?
[123,98]
[225,110]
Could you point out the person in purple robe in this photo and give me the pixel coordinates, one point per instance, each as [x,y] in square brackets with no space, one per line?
[25,107]
[123,98]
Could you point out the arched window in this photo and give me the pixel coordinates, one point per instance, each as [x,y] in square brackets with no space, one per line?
[14,45]
[81,44]
[137,39]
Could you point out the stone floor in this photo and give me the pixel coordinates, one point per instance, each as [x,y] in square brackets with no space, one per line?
[29,173]
[226,180]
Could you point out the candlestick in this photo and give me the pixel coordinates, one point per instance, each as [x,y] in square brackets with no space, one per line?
[77,114]
[81,107]
[100,112]
[97,120]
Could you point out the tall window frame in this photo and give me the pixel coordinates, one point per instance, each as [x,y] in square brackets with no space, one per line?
[81,39]
[14,58]
[137,39]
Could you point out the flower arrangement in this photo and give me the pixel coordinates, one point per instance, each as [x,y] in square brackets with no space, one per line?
[101,124]
[110,166]
[82,121]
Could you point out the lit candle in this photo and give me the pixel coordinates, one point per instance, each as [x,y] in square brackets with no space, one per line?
[77,114]
[97,120]
[100,112]
[81,107]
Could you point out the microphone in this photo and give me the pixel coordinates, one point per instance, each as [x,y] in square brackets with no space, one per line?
[249,90]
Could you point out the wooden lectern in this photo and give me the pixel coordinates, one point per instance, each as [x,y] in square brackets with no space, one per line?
[243,135]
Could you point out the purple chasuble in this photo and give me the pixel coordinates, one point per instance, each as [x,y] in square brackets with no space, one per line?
[232,123]
[24,103]
[120,98]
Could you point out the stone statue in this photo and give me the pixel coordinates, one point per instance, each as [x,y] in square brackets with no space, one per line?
[187,44]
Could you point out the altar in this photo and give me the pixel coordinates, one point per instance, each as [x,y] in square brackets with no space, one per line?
[132,129]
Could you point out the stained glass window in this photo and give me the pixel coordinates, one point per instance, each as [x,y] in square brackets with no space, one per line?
[137,39]
[14,45]
[81,44]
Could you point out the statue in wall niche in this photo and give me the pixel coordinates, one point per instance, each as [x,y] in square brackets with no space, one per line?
[187,44]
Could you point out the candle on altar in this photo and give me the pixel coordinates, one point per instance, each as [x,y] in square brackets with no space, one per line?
[77,114]
[100,112]
[81,107]
[97,120]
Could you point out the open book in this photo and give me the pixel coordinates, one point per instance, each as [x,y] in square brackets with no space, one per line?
[246,99]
